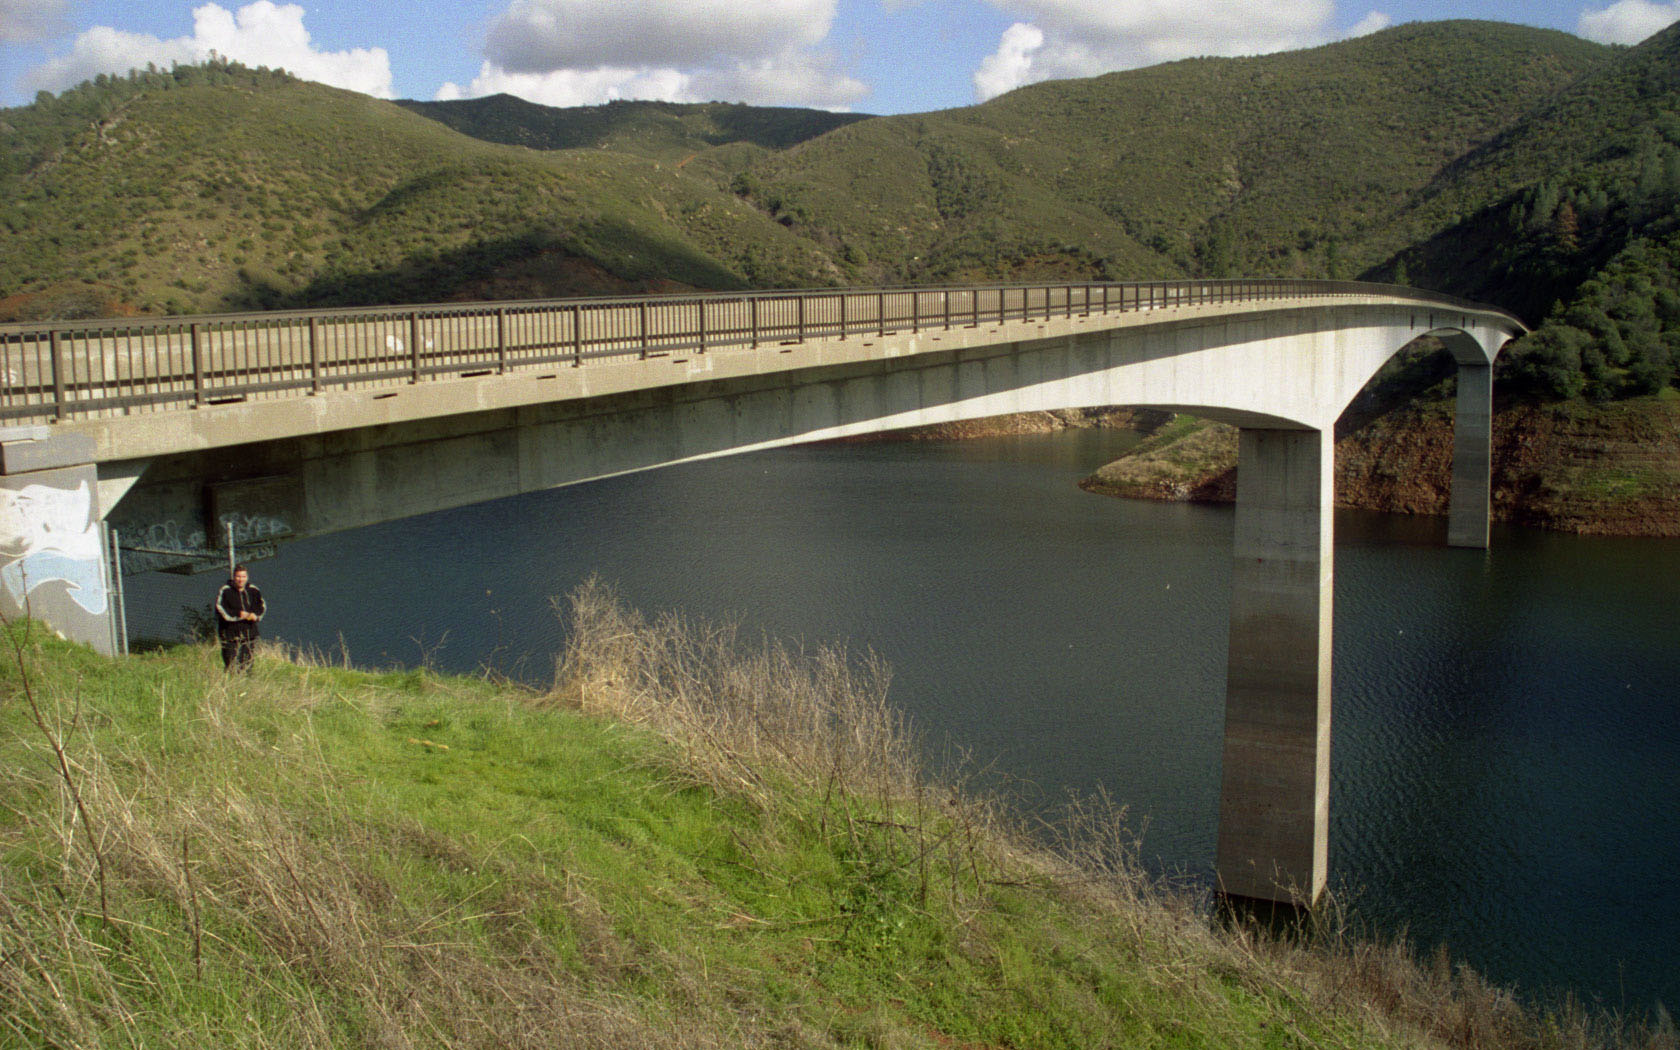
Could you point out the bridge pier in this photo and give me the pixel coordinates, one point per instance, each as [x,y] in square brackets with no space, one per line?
[52,544]
[1471,507]
[1274,817]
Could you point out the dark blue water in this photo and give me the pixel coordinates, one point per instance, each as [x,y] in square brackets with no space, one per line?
[1506,771]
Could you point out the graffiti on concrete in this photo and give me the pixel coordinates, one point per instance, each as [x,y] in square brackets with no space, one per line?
[172,537]
[168,536]
[50,534]
[174,546]
[250,528]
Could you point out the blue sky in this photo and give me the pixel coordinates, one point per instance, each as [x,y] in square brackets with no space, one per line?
[878,56]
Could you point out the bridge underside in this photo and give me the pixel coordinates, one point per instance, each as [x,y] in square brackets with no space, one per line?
[1283,376]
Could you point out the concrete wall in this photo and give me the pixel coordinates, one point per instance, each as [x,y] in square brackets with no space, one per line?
[52,551]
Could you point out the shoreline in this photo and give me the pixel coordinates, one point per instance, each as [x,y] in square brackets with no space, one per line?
[1575,467]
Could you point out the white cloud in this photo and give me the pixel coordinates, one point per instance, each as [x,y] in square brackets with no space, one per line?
[1374,22]
[769,83]
[535,36]
[1011,65]
[1086,37]
[1627,21]
[581,52]
[23,21]
[571,87]
[259,34]
[792,79]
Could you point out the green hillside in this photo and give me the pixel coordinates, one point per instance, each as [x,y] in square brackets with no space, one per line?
[1577,225]
[218,187]
[1518,165]
[1295,164]
[665,130]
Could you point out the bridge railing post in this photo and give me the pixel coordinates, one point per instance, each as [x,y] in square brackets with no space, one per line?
[197,340]
[702,303]
[314,355]
[754,309]
[414,347]
[501,341]
[55,347]
[577,337]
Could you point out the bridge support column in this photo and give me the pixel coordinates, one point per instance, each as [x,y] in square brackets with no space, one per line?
[1467,517]
[52,547]
[1274,807]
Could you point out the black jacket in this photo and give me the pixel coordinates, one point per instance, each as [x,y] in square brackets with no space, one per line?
[231,601]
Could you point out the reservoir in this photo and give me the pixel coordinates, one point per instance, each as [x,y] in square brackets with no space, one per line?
[1506,755]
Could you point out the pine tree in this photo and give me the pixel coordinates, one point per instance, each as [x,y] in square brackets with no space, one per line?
[1566,228]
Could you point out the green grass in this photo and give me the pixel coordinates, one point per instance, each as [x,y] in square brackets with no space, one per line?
[316,856]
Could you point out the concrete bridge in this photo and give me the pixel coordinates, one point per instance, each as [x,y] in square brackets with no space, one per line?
[175,433]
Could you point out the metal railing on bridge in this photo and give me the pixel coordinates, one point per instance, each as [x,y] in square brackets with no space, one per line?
[66,369]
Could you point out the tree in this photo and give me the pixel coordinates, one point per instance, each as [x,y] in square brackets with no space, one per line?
[1217,252]
[1649,369]
[1545,204]
[1566,228]
[1547,362]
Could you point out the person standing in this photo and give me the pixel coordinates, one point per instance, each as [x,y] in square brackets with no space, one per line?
[239,608]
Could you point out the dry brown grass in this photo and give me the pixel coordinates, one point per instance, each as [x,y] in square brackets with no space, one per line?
[819,718]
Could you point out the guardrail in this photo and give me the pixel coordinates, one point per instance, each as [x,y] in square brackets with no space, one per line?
[59,370]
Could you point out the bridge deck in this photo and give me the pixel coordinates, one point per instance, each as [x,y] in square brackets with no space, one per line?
[112,367]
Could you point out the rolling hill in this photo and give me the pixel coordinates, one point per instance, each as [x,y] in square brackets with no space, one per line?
[213,188]
[664,130]
[1514,164]
[1298,163]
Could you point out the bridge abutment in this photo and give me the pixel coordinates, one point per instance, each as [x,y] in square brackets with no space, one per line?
[52,543]
[1471,507]
[1274,816]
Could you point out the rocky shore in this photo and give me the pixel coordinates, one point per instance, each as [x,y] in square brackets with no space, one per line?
[1593,469]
